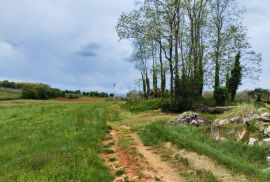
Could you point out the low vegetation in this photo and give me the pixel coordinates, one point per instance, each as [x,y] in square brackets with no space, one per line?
[234,155]
[52,141]
[145,105]
[8,93]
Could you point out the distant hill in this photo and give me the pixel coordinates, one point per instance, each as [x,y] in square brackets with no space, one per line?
[8,93]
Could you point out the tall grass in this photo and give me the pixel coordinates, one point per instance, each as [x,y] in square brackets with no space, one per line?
[48,141]
[6,93]
[236,156]
[240,110]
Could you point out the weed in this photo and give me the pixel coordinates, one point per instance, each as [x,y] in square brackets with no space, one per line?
[119,173]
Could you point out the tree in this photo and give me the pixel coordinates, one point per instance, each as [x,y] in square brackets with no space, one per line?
[193,42]
[236,77]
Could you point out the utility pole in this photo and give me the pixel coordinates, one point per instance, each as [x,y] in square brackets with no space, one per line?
[114,85]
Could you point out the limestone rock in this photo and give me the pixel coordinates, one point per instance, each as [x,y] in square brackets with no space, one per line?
[251,118]
[265,117]
[236,120]
[221,122]
[263,109]
[266,141]
[267,131]
[241,135]
[189,118]
[252,141]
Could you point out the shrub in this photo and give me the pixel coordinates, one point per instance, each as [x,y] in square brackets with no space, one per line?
[144,105]
[221,95]
[28,93]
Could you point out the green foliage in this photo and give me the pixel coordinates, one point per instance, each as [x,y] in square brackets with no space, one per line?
[50,141]
[144,105]
[41,91]
[260,95]
[235,78]
[232,154]
[221,95]
[72,96]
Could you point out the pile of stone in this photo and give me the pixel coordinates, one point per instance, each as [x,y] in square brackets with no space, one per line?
[265,117]
[262,122]
[189,118]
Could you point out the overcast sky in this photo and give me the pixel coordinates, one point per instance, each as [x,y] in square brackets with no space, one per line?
[72,44]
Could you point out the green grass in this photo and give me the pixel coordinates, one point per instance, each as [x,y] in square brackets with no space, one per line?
[234,155]
[241,110]
[53,141]
[6,93]
[144,105]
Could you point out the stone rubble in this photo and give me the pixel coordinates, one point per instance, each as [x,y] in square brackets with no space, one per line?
[189,118]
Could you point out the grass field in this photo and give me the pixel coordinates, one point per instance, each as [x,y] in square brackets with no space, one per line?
[53,141]
[6,93]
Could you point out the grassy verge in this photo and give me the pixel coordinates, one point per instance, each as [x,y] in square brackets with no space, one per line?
[236,156]
[53,141]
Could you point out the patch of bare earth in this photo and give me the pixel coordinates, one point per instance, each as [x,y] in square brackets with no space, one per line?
[135,160]
[204,163]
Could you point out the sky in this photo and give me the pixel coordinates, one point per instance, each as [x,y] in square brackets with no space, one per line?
[72,44]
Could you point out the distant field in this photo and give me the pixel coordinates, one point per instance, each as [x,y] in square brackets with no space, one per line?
[6,93]
[52,141]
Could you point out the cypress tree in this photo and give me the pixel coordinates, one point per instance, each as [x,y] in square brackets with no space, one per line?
[235,77]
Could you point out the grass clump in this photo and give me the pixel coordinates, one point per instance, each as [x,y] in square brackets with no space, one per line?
[113,159]
[119,173]
[236,156]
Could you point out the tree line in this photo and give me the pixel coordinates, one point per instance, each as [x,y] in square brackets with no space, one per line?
[44,91]
[186,45]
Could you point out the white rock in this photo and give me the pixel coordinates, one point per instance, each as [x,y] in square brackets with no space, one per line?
[268,158]
[266,141]
[252,141]
[266,114]
[267,131]
[194,122]
[251,118]
[236,120]
[223,139]
[263,109]
[241,135]
[223,122]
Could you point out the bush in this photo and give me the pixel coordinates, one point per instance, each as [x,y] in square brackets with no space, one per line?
[221,95]
[144,105]
[42,92]
[28,93]
[73,96]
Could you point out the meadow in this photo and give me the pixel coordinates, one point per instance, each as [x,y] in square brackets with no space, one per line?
[52,141]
